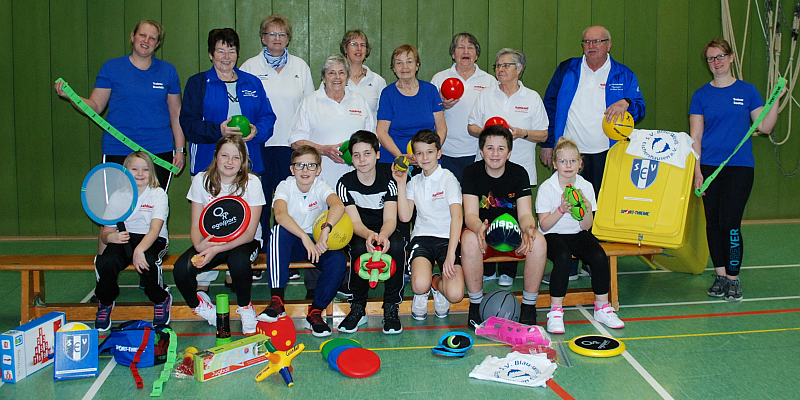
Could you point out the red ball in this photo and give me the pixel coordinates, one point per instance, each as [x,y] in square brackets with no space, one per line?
[452,88]
[496,121]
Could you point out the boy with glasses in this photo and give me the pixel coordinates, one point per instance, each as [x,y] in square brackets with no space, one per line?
[297,202]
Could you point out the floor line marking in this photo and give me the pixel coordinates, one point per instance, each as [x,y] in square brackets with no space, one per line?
[559,390]
[714,334]
[662,271]
[100,380]
[720,301]
[88,296]
[635,364]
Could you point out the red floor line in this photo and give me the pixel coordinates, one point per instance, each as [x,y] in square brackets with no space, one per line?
[559,390]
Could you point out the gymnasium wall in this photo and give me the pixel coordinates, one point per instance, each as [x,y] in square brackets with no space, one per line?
[48,147]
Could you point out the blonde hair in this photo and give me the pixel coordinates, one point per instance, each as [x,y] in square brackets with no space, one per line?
[566,144]
[213,183]
[153,180]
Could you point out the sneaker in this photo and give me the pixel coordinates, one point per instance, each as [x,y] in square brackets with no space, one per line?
[206,309]
[474,315]
[720,286]
[419,307]
[293,276]
[161,311]
[344,291]
[734,292]
[317,324]
[555,321]
[608,317]
[505,280]
[586,270]
[103,320]
[356,317]
[573,278]
[546,278]
[441,306]
[491,277]
[257,275]
[248,317]
[273,311]
[527,314]
[391,321]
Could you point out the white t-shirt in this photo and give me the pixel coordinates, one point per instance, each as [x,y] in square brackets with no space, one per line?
[432,196]
[524,109]
[459,142]
[253,196]
[304,207]
[370,86]
[285,91]
[586,113]
[322,120]
[153,203]
[549,198]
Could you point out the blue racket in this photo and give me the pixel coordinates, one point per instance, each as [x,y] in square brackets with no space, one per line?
[109,196]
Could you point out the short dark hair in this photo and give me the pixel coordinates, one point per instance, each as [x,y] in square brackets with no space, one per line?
[362,136]
[226,35]
[427,136]
[496,130]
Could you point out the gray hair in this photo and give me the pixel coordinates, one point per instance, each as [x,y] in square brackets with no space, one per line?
[517,56]
[470,38]
[608,34]
[333,60]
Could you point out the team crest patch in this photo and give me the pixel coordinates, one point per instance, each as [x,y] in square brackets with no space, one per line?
[76,347]
[643,173]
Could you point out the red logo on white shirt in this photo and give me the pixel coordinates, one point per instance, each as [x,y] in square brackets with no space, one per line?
[313,206]
[146,208]
[355,112]
[438,195]
[602,85]
[521,109]
[479,87]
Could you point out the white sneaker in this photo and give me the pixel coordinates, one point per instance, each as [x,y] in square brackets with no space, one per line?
[487,278]
[206,309]
[555,321]
[505,280]
[441,306]
[248,317]
[419,307]
[608,317]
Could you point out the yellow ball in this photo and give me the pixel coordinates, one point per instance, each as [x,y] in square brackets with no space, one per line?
[618,129]
[341,233]
[74,326]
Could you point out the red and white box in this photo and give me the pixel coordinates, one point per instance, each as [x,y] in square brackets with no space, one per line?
[30,347]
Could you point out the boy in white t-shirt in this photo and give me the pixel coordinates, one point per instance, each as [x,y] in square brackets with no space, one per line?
[437,196]
[297,202]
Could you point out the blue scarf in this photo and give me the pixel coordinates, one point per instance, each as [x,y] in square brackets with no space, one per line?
[276,62]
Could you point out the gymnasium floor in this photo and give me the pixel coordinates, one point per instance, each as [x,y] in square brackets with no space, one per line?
[681,344]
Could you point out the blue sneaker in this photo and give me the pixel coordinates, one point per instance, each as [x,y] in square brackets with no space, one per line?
[161,311]
[103,320]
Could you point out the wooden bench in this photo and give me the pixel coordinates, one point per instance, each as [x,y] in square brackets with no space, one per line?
[33,302]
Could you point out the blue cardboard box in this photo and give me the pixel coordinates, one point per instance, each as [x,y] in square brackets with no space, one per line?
[29,347]
[76,354]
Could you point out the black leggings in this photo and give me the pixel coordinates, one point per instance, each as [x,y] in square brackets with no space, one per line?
[114,260]
[584,246]
[724,204]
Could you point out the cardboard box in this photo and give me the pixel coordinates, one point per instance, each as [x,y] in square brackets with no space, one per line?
[29,348]
[76,355]
[231,357]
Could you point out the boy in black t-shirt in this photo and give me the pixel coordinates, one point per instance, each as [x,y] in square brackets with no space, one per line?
[492,187]
[370,197]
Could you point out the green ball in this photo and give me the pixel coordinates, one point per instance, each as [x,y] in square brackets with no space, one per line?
[504,234]
[242,123]
[577,206]
[345,150]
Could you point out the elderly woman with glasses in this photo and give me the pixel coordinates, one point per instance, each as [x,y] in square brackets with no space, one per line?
[520,107]
[355,47]
[720,115]
[327,117]
[407,106]
[287,80]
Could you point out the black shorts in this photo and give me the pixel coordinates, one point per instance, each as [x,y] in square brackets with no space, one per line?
[433,249]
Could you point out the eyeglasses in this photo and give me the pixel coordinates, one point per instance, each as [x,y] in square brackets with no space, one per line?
[589,42]
[564,161]
[273,35]
[307,165]
[357,44]
[504,65]
[717,58]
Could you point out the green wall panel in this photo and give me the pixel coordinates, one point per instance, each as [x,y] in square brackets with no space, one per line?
[659,40]
[9,224]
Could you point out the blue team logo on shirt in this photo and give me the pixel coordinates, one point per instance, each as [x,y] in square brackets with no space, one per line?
[643,173]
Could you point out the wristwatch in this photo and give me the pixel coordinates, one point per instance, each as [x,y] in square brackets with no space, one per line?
[325,225]
[181,150]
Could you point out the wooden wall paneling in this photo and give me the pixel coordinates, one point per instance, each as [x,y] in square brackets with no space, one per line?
[325,21]
[671,65]
[297,13]
[249,14]
[70,129]
[639,41]
[573,17]
[505,26]
[212,14]
[398,26]
[434,34]
[32,118]
[138,10]
[611,14]
[366,16]
[9,224]
[473,16]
